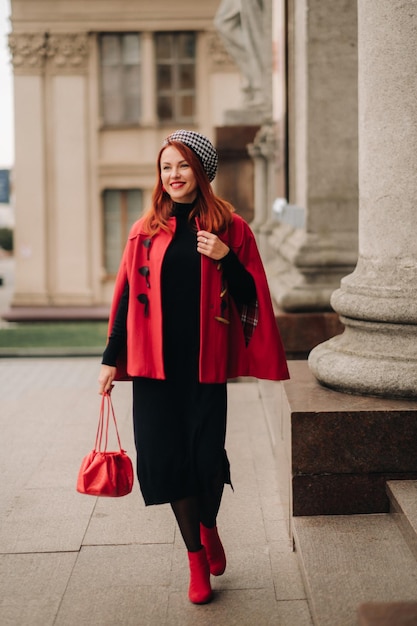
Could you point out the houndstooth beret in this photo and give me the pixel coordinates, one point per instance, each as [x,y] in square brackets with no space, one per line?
[202,146]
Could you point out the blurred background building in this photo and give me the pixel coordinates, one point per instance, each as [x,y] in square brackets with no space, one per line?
[99,84]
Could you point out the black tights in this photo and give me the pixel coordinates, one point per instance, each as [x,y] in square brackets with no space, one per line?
[189,512]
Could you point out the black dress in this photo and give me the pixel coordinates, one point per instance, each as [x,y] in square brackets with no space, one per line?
[180,423]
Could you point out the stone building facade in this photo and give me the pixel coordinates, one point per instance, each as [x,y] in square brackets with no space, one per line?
[97,87]
[99,84]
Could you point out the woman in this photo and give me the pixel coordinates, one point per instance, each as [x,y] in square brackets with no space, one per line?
[191,308]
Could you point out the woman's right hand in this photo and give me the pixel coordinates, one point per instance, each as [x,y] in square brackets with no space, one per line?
[106,378]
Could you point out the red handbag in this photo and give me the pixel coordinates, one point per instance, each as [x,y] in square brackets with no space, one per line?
[105,473]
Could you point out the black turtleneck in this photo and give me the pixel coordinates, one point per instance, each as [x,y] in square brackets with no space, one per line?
[180,289]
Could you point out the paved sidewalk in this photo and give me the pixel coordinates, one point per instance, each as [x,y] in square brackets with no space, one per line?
[67,559]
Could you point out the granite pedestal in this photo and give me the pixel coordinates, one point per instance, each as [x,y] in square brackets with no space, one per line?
[303,331]
[336,451]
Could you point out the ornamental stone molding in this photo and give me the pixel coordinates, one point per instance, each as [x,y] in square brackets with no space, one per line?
[32,53]
[28,52]
[68,51]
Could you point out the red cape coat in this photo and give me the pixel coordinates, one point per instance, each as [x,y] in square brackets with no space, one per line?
[227,350]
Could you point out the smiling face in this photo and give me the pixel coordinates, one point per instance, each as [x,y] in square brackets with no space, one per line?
[177,176]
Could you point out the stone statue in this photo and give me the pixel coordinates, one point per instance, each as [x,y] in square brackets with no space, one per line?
[240,24]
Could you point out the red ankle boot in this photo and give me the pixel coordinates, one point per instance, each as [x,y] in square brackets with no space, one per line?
[199,591]
[214,549]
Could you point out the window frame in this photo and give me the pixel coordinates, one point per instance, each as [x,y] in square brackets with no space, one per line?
[125,123]
[149,92]
[176,62]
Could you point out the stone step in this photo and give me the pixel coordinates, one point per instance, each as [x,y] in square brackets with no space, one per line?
[349,560]
[403,506]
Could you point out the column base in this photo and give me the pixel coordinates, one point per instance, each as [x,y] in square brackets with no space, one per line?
[306,269]
[369,358]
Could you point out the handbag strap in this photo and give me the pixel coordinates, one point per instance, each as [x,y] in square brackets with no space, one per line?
[103,423]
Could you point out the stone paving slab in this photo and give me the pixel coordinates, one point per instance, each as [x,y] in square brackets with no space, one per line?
[127,521]
[32,587]
[67,558]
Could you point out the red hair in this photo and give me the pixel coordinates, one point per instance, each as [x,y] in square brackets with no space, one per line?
[214,213]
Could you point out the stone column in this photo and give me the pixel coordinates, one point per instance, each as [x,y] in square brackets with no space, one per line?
[68,158]
[377,354]
[322,155]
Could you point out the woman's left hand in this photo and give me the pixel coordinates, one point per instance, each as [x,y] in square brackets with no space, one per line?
[210,245]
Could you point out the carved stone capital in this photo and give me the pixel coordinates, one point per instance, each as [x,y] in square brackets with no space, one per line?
[218,55]
[62,52]
[28,52]
[68,51]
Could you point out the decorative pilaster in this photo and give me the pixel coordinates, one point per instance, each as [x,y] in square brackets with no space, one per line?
[28,55]
[377,354]
[52,169]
